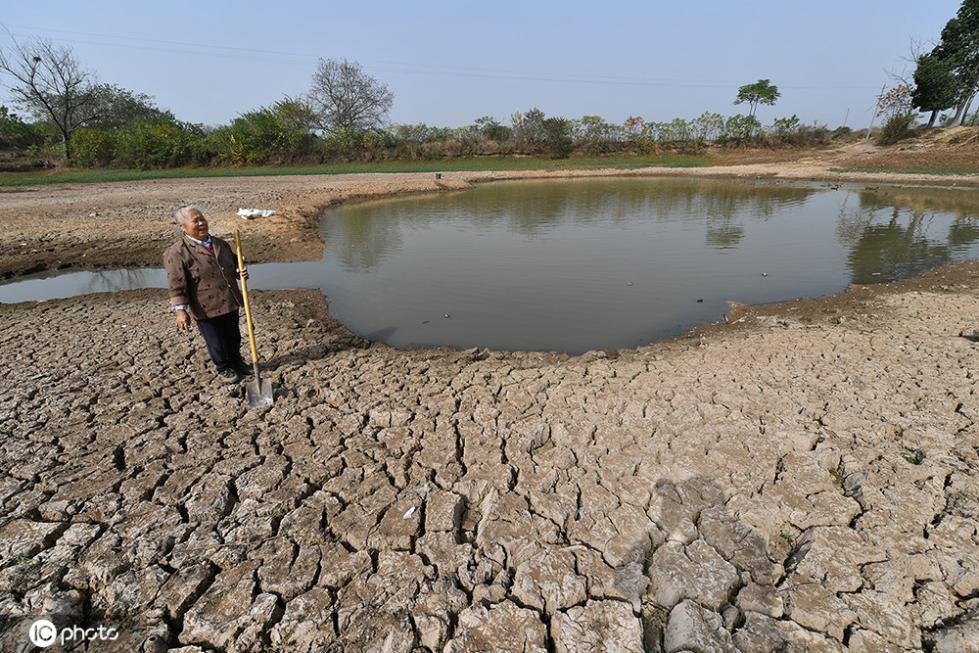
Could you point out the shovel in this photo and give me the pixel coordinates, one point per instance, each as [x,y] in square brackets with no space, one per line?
[259,392]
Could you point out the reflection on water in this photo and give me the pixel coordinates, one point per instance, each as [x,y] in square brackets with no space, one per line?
[892,241]
[958,203]
[68,284]
[585,264]
[962,234]
[362,235]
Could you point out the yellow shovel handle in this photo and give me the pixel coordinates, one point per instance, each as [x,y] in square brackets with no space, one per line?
[244,295]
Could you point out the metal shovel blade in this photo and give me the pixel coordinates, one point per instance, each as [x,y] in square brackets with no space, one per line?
[259,393]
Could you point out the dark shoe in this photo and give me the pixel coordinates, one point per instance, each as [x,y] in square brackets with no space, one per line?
[229,376]
[244,370]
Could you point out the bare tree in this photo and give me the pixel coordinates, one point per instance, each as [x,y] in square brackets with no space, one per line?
[895,101]
[50,83]
[345,97]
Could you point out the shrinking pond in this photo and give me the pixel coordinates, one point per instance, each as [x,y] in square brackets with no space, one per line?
[574,265]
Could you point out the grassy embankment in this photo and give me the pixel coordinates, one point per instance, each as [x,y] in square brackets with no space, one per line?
[468,165]
[952,152]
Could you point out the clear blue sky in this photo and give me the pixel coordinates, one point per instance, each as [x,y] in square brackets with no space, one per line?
[450,62]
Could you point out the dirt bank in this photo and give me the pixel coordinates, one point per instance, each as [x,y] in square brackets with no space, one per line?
[130,223]
[804,480]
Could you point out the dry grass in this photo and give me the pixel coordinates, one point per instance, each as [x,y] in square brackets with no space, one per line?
[941,152]
[733,156]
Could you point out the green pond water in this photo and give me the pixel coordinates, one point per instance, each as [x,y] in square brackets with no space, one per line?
[584,264]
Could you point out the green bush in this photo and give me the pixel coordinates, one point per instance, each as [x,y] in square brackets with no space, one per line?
[24,166]
[93,148]
[785,127]
[15,134]
[370,145]
[557,137]
[147,145]
[791,131]
[707,126]
[594,136]
[811,135]
[342,145]
[377,145]
[896,128]
[264,136]
[203,148]
[412,141]
[492,130]
[740,128]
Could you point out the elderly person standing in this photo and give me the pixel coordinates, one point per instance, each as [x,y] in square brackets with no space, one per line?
[203,279]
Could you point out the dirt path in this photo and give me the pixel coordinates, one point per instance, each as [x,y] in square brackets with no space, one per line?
[806,480]
[130,223]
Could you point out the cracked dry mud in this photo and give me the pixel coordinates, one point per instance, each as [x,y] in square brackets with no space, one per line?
[795,482]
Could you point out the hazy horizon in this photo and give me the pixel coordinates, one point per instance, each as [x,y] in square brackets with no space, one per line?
[209,63]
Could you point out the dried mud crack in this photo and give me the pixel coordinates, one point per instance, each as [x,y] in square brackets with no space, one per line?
[795,481]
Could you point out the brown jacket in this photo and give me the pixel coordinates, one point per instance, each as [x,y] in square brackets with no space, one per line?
[206,283]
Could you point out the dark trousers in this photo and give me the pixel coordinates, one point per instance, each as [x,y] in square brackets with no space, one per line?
[223,340]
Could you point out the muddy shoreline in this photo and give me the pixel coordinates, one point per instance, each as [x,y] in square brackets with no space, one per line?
[129,223]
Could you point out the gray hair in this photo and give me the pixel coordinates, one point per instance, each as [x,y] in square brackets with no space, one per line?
[181,214]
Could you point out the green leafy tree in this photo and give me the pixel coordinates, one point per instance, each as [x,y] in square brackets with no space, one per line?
[595,135]
[528,130]
[116,106]
[935,86]
[761,92]
[959,45]
[296,114]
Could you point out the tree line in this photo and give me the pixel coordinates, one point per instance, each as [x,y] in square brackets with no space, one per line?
[277,134]
[66,114]
[343,117]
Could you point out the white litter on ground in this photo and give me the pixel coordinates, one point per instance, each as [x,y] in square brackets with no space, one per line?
[247,214]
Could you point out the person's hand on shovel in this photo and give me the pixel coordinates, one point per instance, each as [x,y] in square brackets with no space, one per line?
[243,273]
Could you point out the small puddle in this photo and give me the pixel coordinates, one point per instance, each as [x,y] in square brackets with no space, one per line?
[573,265]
